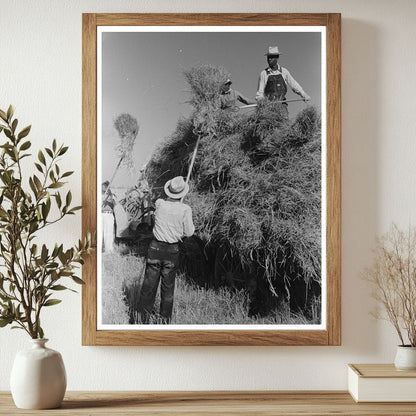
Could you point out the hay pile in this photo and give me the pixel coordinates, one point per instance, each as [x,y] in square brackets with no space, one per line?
[256,182]
[127,128]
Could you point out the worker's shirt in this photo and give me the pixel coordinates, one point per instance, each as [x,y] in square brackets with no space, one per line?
[173,221]
[229,99]
[290,81]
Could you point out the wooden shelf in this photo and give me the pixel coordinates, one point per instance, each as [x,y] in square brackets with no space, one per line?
[178,403]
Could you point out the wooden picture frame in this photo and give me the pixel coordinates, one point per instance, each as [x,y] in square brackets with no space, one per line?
[331,333]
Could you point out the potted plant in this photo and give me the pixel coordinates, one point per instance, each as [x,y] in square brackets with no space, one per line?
[393,276]
[31,273]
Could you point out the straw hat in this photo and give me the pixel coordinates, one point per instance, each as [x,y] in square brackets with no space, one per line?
[176,188]
[273,50]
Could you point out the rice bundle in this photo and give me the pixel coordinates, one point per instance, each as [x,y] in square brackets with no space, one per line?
[255,185]
[127,128]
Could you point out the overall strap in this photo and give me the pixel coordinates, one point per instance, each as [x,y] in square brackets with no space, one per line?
[279,68]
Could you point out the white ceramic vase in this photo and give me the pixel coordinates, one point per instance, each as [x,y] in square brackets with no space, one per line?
[405,358]
[38,378]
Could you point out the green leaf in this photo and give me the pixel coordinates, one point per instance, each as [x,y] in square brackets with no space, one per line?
[5,321]
[4,298]
[37,182]
[62,257]
[77,208]
[44,253]
[45,211]
[39,167]
[54,145]
[49,152]
[51,302]
[14,125]
[58,199]
[67,174]
[25,145]
[34,249]
[3,115]
[63,150]
[41,157]
[56,185]
[76,279]
[8,133]
[10,112]
[59,287]
[24,132]
[68,199]
[55,251]
[33,187]
[40,332]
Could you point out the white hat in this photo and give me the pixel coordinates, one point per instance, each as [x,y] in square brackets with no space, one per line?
[273,50]
[176,188]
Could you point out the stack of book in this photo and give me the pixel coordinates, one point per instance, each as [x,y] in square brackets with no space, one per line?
[381,383]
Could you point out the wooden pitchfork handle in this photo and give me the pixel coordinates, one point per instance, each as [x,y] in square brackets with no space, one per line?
[191,165]
[285,101]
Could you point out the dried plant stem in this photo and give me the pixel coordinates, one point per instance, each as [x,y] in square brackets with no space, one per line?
[393,275]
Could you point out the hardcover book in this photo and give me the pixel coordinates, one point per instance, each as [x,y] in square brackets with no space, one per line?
[381,383]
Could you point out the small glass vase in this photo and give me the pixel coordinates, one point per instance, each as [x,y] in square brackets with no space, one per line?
[38,377]
[405,358]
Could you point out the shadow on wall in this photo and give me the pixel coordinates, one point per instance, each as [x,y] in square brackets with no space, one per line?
[361,60]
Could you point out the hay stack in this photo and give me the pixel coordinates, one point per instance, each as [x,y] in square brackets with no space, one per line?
[256,182]
[127,128]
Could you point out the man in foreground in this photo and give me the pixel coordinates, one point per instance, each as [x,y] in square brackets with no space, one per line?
[173,221]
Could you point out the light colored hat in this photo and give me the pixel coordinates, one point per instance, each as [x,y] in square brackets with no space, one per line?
[273,50]
[227,81]
[176,188]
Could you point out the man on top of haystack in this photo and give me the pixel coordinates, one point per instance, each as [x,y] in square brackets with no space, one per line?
[230,97]
[274,80]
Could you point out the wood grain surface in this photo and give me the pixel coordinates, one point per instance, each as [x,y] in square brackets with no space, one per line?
[332,334]
[381,371]
[212,403]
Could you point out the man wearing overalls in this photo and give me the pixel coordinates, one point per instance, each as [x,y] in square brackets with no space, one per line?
[274,80]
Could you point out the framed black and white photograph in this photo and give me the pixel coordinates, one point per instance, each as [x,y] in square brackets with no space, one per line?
[211,173]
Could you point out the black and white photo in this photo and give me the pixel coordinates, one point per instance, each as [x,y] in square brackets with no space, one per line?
[210,165]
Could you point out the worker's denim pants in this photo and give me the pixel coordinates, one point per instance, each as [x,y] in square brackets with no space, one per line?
[161,265]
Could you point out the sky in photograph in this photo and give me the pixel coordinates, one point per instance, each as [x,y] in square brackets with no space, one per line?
[142,74]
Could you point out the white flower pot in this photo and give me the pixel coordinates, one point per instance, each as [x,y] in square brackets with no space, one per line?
[38,378]
[405,358]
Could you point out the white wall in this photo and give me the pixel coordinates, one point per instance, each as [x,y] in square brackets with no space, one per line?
[40,73]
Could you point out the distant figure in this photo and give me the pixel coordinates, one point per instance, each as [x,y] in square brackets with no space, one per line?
[274,80]
[230,97]
[107,215]
[173,221]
